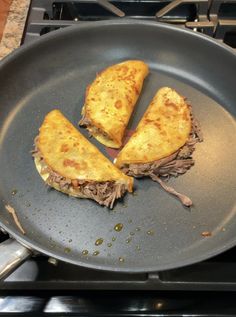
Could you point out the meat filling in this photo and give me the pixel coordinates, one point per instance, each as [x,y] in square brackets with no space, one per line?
[105,193]
[85,122]
[172,165]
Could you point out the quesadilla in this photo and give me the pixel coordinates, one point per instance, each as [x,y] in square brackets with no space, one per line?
[67,161]
[110,100]
[163,142]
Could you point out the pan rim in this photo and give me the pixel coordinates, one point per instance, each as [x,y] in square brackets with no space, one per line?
[95,24]
[91,25]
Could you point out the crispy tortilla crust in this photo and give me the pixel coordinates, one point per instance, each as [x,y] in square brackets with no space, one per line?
[110,100]
[67,152]
[164,128]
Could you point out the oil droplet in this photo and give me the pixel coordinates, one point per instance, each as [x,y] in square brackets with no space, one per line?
[150,232]
[206,233]
[14,191]
[99,241]
[128,240]
[118,227]
[67,250]
[109,245]
[131,233]
[85,252]
[137,229]
[95,253]
[121,259]
[113,239]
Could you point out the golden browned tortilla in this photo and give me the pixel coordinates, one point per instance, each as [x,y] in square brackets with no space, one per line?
[110,101]
[67,161]
[164,128]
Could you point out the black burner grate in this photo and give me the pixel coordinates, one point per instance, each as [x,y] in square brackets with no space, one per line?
[216,18]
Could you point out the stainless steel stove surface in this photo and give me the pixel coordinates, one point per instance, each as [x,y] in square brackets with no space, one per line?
[43,286]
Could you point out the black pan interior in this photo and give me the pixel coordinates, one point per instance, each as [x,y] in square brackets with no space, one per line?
[158,232]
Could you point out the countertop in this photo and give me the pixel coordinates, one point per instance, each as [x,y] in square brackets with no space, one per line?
[13,27]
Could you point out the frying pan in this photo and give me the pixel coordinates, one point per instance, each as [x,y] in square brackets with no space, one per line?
[158,232]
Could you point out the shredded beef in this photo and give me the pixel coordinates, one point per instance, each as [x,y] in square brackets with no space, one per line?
[85,122]
[185,200]
[173,165]
[105,193]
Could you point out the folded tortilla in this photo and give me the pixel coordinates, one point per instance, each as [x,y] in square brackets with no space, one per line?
[110,100]
[164,128]
[67,161]
[163,142]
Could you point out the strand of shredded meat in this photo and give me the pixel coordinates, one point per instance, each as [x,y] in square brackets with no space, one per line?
[105,193]
[172,165]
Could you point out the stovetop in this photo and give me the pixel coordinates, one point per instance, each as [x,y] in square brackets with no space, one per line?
[45,286]
[216,18]
[39,287]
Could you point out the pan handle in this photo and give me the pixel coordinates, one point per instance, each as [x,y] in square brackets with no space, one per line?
[12,254]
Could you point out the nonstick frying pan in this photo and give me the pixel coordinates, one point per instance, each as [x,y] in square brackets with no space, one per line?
[158,232]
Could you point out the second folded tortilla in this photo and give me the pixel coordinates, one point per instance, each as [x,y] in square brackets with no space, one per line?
[163,142]
[110,100]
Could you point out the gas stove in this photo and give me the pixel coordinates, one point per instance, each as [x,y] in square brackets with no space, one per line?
[216,18]
[45,286]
